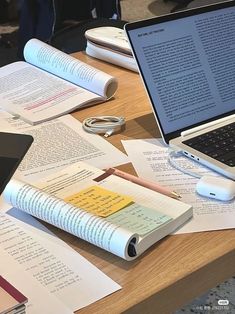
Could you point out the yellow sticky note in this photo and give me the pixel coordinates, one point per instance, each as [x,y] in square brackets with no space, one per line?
[99,201]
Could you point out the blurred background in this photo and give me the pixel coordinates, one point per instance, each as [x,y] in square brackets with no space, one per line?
[131,10]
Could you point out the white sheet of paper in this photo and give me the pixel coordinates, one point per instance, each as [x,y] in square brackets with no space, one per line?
[59,143]
[149,158]
[62,271]
[39,299]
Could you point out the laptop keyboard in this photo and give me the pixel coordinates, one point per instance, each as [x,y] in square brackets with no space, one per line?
[218,144]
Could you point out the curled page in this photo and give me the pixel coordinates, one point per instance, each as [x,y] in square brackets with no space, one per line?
[69,68]
[78,222]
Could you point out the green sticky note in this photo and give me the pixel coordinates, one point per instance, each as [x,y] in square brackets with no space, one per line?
[139,219]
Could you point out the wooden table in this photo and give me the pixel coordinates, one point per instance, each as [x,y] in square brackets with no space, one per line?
[176,269]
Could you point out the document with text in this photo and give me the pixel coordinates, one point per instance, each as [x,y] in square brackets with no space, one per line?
[39,299]
[149,158]
[55,267]
[67,144]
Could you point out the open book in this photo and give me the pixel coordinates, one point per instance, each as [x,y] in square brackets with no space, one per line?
[108,211]
[51,83]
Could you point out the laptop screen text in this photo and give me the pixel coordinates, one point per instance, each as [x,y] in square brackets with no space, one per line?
[188,67]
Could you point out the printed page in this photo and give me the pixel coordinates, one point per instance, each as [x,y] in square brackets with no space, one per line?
[64,273]
[40,300]
[42,245]
[76,221]
[37,96]
[69,68]
[149,158]
[67,144]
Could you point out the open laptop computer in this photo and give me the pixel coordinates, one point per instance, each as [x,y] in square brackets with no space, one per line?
[187,64]
[13,148]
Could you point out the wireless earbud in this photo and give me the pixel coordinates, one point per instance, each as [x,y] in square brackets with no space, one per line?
[216,187]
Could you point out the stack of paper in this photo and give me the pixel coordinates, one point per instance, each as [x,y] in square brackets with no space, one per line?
[11,300]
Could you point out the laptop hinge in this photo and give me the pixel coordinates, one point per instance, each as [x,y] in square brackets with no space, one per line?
[206,125]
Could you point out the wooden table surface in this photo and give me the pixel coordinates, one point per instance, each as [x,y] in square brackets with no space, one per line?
[174,270]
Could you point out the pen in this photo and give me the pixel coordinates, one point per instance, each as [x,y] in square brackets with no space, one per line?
[147,184]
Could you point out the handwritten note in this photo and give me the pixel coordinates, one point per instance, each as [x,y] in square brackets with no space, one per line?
[139,219]
[99,201]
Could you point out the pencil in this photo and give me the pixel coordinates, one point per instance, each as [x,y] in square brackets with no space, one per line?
[147,184]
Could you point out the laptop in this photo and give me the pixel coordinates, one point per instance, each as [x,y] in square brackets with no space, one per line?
[13,148]
[187,64]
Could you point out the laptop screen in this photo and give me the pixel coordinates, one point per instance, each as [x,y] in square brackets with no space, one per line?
[187,63]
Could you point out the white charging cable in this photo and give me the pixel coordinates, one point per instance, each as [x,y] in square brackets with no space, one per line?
[172,156]
[216,187]
[106,125]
